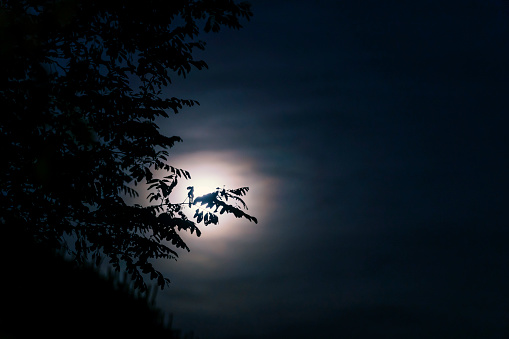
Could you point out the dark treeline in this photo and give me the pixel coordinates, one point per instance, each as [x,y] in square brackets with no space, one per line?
[81,86]
[45,295]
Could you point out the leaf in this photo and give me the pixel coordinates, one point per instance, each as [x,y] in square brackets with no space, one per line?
[239,191]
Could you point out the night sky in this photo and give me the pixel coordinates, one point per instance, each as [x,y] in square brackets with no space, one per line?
[373,137]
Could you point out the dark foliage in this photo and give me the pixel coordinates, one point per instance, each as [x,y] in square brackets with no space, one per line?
[67,301]
[80,93]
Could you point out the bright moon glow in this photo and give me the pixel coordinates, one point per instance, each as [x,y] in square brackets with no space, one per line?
[219,245]
[210,170]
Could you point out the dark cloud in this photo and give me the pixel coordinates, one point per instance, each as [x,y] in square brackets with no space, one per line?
[384,126]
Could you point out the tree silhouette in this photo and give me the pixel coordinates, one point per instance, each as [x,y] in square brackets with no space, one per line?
[81,89]
[73,301]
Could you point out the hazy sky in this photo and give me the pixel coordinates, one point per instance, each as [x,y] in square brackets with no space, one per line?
[373,136]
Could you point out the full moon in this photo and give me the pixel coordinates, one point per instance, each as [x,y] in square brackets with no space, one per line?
[212,170]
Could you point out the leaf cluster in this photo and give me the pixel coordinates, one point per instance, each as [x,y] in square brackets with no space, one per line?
[81,88]
[218,202]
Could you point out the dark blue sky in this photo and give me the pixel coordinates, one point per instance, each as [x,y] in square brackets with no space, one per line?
[373,136]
